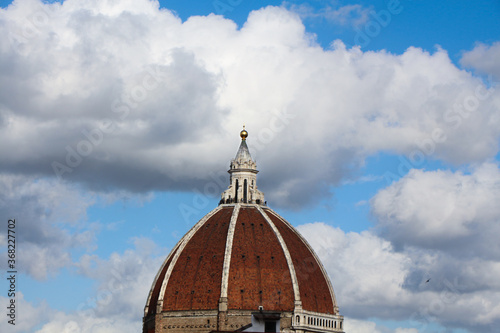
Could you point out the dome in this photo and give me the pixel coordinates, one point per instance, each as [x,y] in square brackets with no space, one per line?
[242,264]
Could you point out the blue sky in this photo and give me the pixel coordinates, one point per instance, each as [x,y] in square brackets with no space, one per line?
[375,126]
[420,23]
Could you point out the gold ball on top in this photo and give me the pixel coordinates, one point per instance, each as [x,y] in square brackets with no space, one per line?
[243,134]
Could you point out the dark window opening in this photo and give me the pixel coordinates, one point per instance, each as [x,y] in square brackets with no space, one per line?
[236,192]
[245,191]
[270,326]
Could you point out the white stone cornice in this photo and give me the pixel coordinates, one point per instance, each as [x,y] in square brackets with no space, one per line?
[243,170]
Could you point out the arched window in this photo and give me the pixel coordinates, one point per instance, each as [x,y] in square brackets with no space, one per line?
[245,191]
[236,192]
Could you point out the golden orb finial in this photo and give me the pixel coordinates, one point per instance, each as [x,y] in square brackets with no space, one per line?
[243,133]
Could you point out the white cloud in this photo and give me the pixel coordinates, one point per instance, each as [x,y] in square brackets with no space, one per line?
[365,326]
[373,280]
[50,220]
[360,326]
[353,15]
[406,330]
[28,315]
[447,223]
[365,270]
[124,279]
[442,210]
[483,58]
[123,282]
[178,92]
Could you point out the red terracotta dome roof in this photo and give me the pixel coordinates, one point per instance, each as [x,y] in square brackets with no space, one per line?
[247,254]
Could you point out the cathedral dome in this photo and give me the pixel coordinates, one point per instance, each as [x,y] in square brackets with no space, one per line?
[240,260]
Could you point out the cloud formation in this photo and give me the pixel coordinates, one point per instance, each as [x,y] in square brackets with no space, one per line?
[373,280]
[124,96]
[443,210]
[353,15]
[483,58]
[123,281]
[140,100]
[33,315]
[432,256]
[50,221]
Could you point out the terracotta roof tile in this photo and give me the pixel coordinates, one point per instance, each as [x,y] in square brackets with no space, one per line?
[313,286]
[259,274]
[195,281]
